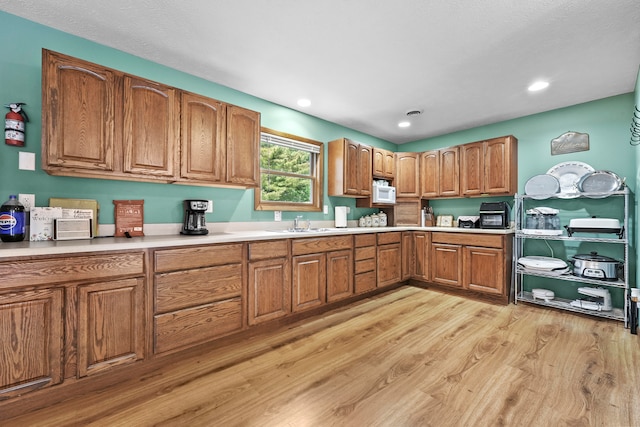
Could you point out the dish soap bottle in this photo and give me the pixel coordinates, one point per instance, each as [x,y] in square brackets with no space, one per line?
[12,221]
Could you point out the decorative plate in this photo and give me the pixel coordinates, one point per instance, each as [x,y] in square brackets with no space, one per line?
[542,186]
[601,183]
[569,174]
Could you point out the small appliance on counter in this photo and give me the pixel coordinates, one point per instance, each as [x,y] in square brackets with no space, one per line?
[600,299]
[194,222]
[468,221]
[495,215]
[341,216]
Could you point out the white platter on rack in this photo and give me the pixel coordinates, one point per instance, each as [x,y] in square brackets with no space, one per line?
[569,175]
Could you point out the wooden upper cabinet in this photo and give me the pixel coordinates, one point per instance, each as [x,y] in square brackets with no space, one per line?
[100,122]
[78,114]
[243,146]
[350,168]
[407,175]
[472,169]
[430,173]
[449,173]
[150,128]
[489,167]
[202,139]
[383,163]
[501,165]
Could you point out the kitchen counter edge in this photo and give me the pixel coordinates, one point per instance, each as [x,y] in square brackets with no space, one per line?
[105,244]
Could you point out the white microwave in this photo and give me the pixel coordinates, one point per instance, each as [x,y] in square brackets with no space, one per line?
[384,194]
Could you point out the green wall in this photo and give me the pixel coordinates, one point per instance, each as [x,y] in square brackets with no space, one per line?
[20,67]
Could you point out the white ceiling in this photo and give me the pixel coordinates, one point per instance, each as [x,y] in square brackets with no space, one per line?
[365,63]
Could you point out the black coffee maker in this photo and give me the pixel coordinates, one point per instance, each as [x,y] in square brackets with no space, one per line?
[194,222]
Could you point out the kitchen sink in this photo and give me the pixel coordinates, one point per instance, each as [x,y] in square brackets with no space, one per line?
[308,230]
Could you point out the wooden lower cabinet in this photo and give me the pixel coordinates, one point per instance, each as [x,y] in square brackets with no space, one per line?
[482,270]
[421,255]
[111,324]
[446,264]
[473,262]
[309,281]
[331,259]
[198,294]
[364,263]
[269,294]
[31,333]
[389,255]
[339,275]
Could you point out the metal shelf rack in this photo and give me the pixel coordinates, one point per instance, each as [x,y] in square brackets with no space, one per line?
[525,295]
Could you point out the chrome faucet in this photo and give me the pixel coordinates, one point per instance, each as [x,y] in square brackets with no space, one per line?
[301,224]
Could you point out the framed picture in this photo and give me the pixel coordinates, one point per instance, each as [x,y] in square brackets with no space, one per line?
[444,221]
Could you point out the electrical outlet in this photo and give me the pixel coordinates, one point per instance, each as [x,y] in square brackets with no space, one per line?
[27,200]
[209,206]
[277,215]
[326,209]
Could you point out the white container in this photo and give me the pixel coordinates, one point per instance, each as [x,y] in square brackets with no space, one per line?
[341,216]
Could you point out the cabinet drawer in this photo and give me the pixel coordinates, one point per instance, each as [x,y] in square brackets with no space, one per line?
[365,253]
[267,250]
[484,240]
[365,240]
[322,244]
[55,270]
[182,289]
[202,256]
[365,282]
[390,237]
[365,265]
[196,325]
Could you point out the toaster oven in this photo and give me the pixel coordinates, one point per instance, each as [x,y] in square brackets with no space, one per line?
[495,215]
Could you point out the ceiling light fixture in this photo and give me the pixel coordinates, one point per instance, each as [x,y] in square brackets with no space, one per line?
[539,85]
[404,124]
[304,102]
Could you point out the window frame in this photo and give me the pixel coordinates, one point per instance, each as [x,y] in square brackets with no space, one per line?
[317,177]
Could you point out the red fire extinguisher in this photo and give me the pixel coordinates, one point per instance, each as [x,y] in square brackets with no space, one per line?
[14,124]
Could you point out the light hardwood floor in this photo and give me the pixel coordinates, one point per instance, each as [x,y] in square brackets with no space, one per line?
[411,357]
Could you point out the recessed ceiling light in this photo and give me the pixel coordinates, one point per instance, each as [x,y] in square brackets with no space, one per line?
[304,102]
[539,85]
[404,124]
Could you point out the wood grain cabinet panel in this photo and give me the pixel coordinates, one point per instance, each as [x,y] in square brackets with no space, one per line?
[430,174]
[483,270]
[243,146]
[407,175]
[151,128]
[79,116]
[269,289]
[350,168]
[446,264]
[309,281]
[472,169]
[422,252]
[383,163]
[449,173]
[389,255]
[110,324]
[202,138]
[31,333]
[339,275]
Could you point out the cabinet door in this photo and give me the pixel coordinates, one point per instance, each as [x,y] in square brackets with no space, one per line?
[389,164]
[483,269]
[383,163]
[421,249]
[446,264]
[430,173]
[339,274]
[472,169]
[364,170]
[378,162]
[31,333]
[389,264]
[202,141]
[243,146]
[500,170]
[269,290]
[309,281]
[408,175]
[78,123]
[449,179]
[151,128]
[110,324]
